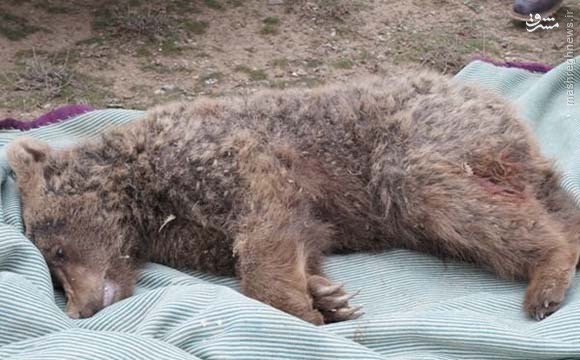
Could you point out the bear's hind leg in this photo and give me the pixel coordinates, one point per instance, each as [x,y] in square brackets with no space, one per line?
[474,214]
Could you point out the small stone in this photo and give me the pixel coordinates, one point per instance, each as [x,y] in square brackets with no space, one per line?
[114,103]
[169,87]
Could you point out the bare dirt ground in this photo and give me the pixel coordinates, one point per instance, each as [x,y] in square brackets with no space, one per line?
[137,53]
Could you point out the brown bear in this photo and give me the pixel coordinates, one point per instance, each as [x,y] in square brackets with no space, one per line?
[263,186]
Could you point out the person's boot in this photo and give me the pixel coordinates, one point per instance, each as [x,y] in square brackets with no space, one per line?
[523,8]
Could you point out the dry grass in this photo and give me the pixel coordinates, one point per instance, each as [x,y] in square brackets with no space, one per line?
[143,22]
[15,27]
[42,74]
[253,74]
[217,47]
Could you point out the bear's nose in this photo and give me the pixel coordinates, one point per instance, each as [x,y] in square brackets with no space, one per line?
[88,312]
[81,314]
[82,311]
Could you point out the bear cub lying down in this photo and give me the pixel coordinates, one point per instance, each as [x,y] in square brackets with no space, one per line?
[262,187]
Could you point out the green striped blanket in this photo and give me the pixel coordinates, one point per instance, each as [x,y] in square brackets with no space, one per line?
[417,307]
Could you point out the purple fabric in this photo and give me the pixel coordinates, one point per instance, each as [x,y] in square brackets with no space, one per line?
[529,66]
[54,116]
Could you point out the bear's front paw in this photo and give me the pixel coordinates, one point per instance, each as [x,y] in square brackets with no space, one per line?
[332,301]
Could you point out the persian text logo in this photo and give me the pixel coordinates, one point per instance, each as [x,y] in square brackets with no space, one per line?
[535,23]
[570,60]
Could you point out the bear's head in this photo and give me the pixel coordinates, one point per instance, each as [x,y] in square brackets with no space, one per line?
[69,217]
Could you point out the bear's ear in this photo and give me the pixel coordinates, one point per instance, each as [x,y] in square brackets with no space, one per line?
[26,157]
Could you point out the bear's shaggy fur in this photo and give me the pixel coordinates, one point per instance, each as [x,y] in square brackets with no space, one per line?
[262,187]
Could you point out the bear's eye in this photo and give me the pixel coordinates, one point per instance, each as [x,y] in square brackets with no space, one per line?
[60,254]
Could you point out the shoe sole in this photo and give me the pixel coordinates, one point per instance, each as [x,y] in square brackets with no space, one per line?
[520,17]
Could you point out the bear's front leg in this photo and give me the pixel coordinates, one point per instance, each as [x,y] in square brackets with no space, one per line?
[279,251]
